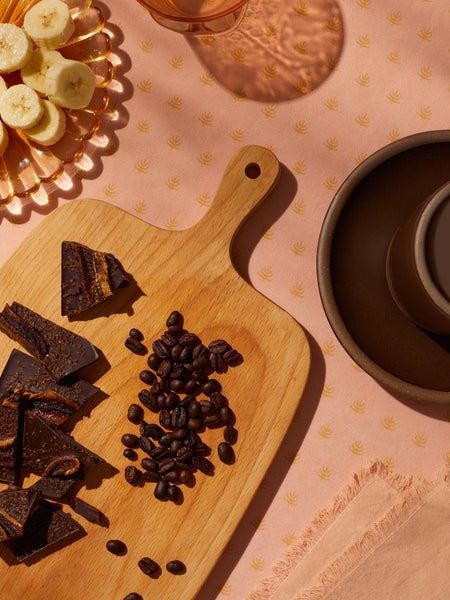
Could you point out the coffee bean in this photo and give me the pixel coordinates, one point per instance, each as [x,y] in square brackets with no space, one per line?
[135,413]
[190,387]
[175,446]
[130,454]
[160,349]
[185,354]
[132,475]
[173,493]
[160,491]
[179,433]
[230,434]
[148,566]
[136,334]
[218,346]
[165,419]
[166,466]
[185,453]
[202,362]
[176,567]
[147,376]
[179,417]
[160,401]
[188,339]
[201,449]
[177,385]
[232,358]
[226,453]
[218,399]
[212,421]
[164,368]
[193,409]
[116,547]
[205,406]
[175,352]
[149,464]
[171,477]
[153,361]
[151,476]
[210,386]
[175,318]
[195,424]
[225,414]
[159,452]
[154,431]
[217,363]
[145,444]
[133,596]
[185,476]
[168,339]
[166,439]
[203,464]
[129,440]
[135,346]
[148,399]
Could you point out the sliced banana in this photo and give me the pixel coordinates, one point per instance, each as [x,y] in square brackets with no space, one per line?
[3,86]
[21,107]
[15,47]
[3,138]
[70,84]
[50,128]
[49,24]
[34,72]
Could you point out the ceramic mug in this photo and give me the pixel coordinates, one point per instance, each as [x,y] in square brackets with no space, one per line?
[197,16]
[418,264]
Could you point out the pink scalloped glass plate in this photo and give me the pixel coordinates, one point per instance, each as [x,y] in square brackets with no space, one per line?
[26,165]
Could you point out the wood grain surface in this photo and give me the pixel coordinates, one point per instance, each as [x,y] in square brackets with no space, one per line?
[190,271]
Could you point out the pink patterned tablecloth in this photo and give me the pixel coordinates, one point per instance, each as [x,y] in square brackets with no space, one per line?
[323,84]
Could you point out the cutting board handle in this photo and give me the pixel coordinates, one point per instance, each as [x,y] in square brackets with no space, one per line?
[249,177]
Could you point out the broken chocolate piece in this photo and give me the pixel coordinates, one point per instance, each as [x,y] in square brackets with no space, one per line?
[10,431]
[64,352]
[42,395]
[89,512]
[47,450]
[89,277]
[46,529]
[54,488]
[15,508]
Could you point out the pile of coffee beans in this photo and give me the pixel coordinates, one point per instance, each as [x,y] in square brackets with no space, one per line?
[188,400]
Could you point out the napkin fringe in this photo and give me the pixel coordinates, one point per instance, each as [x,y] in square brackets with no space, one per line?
[412,490]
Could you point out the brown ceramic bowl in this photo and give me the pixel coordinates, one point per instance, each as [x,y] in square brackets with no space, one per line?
[372,203]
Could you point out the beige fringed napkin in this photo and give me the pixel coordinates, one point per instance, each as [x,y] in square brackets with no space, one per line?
[386,537]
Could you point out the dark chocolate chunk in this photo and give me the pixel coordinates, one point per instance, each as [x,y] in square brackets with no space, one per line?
[54,488]
[47,527]
[15,508]
[9,436]
[50,452]
[43,395]
[61,351]
[89,277]
[89,512]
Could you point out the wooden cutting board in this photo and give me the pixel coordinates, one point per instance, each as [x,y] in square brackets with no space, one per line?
[190,271]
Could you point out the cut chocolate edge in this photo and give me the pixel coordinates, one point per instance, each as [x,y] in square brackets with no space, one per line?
[11,424]
[60,350]
[47,529]
[15,508]
[42,394]
[88,277]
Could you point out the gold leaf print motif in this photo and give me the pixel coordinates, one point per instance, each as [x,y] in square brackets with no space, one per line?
[299,207]
[226,589]
[140,207]
[393,134]
[357,448]
[270,71]
[266,274]
[206,118]
[238,55]
[394,18]
[420,441]
[176,102]
[389,464]
[267,233]
[257,563]
[394,57]
[325,432]
[176,62]
[361,158]
[324,473]
[302,8]
[446,457]
[332,63]
[334,24]
[141,165]
[363,120]
[331,183]
[425,34]
[298,249]
[363,80]
[237,134]
[174,142]
[425,73]
[290,538]
[143,125]
[332,103]
[358,406]
[292,457]
[328,390]
[329,348]
[110,190]
[331,144]
[298,290]
[363,41]
[207,79]
[364,3]
[204,199]
[145,86]
[300,167]
[111,148]
[258,523]
[393,96]
[301,86]
[301,47]
[238,95]
[146,46]
[389,423]
[205,158]
[424,112]
[171,223]
[207,40]
[270,32]
[291,498]
[269,111]
[173,183]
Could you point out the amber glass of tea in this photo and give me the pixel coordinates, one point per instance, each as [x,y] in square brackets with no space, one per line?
[197,16]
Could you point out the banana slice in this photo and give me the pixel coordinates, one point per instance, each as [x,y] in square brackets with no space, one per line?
[21,107]
[15,47]
[3,86]
[33,73]
[50,128]
[3,138]
[49,24]
[70,84]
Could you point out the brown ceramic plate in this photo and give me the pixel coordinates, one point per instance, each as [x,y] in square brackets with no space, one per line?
[369,206]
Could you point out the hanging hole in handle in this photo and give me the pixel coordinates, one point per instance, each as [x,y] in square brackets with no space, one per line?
[253,170]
